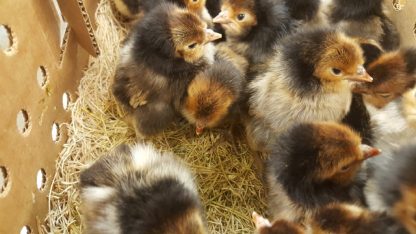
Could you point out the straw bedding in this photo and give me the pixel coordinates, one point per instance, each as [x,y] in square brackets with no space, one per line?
[228,185]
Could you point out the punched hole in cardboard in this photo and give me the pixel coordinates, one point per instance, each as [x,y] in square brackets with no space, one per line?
[25,230]
[23,122]
[7,41]
[66,100]
[42,76]
[41,179]
[4,181]
[56,132]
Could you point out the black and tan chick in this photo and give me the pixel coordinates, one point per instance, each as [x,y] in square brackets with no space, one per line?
[392,187]
[351,219]
[304,10]
[162,54]
[312,165]
[394,74]
[140,190]
[213,95]
[135,9]
[264,226]
[254,26]
[307,79]
[366,19]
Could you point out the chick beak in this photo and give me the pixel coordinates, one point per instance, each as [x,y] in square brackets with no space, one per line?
[211,35]
[199,129]
[260,221]
[369,152]
[222,18]
[360,76]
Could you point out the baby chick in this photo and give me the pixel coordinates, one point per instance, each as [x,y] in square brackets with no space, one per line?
[352,219]
[213,95]
[263,226]
[307,79]
[393,185]
[160,57]
[254,25]
[366,19]
[140,190]
[394,73]
[314,164]
[304,10]
[134,9]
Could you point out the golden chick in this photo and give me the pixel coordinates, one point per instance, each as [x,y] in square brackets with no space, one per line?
[135,9]
[312,165]
[263,226]
[366,19]
[213,95]
[254,26]
[140,190]
[392,187]
[162,54]
[351,219]
[308,79]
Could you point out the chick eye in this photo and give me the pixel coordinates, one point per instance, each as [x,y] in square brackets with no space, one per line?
[192,46]
[336,71]
[385,95]
[345,168]
[240,17]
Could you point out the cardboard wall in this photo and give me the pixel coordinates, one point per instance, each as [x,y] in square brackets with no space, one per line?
[41,67]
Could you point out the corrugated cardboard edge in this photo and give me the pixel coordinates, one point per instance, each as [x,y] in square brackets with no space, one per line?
[78,19]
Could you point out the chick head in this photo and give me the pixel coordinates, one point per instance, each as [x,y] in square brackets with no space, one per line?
[196,6]
[263,226]
[391,80]
[190,35]
[341,59]
[207,102]
[237,17]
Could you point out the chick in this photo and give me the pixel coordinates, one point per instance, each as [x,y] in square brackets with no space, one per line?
[213,95]
[308,79]
[134,9]
[254,26]
[140,190]
[394,74]
[352,219]
[304,10]
[160,57]
[263,226]
[314,164]
[366,19]
[392,187]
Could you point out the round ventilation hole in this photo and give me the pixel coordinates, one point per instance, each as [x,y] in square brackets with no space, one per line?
[25,230]
[6,39]
[23,122]
[42,76]
[56,134]
[4,179]
[66,99]
[41,179]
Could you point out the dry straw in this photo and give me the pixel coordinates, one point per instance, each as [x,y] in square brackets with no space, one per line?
[224,171]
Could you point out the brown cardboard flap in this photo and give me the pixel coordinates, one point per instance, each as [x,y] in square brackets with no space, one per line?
[78,19]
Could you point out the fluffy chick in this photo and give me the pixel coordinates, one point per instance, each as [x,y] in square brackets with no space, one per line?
[134,9]
[304,10]
[213,95]
[314,164]
[352,219]
[254,26]
[366,19]
[263,226]
[160,57]
[307,79]
[394,74]
[392,187]
[140,190]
